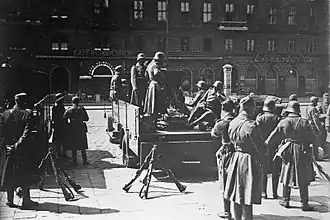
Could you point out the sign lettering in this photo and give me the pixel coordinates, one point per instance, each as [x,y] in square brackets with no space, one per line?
[99,53]
[264,58]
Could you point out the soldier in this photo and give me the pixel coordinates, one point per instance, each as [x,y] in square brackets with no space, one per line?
[220,132]
[139,81]
[325,104]
[116,86]
[297,170]
[312,116]
[76,138]
[267,122]
[244,172]
[155,101]
[209,107]
[202,87]
[15,136]
[292,97]
[58,124]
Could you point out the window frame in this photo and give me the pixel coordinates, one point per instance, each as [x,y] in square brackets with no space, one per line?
[294,45]
[271,45]
[185,6]
[250,45]
[207,14]
[250,9]
[292,16]
[272,19]
[185,44]
[138,9]
[229,44]
[161,10]
[229,7]
[311,47]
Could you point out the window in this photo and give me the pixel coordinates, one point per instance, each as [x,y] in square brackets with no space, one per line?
[250,45]
[229,8]
[185,44]
[64,46]
[291,45]
[55,46]
[185,6]
[138,9]
[207,12]
[250,9]
[311,47]
[228,45]
[208,44]
[161,10]
[185,9]
[312,16]
[292,16]
[272,15]
[271,45]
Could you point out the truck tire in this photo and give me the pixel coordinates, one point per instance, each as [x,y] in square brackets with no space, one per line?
[128,159]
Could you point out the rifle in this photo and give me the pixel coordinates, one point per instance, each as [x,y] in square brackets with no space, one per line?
[138,172]
[73,184]
[68,195]
[146,181]
[169,172]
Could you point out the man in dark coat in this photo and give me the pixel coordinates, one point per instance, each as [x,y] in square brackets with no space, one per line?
[296,153]
[76,129]
[116,85]
[15,136]
[267,122]
[155,100]
[58,124]
[139,81]
[220,132]
[244,172]
[208,108]
[202,88]
[312,116]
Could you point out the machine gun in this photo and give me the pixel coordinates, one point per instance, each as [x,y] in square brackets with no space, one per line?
[150,159]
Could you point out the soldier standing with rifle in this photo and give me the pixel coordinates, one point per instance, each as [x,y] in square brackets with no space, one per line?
[244,172]
[139,81]
[296,153]
[223,155]
[15,134]
[267,122]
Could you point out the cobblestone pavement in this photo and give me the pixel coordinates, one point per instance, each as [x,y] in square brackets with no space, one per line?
[102,196]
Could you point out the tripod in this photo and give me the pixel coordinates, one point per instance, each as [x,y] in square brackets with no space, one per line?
[59,173]
[150,159]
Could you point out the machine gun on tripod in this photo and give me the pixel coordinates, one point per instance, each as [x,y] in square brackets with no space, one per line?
[150,159]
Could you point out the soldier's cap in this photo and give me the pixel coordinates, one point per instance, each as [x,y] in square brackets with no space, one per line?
[228,105]
[59,97]
[313,99]
[269,104]
[140,56]
[119,69]
[218,85]
[21,96]
[293,107]
[75,99]
[159,55]
[293,97]
[246,102]
[201,84]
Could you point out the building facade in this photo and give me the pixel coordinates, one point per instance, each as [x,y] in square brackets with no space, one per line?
[275,46]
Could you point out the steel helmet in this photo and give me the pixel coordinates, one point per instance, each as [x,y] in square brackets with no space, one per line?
[218,85]
[201,84]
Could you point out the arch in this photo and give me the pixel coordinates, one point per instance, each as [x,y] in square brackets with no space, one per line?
[60,82]
[189,71]
[101,64]
[208,75]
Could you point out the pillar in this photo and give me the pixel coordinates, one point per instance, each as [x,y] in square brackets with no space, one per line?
[227,70]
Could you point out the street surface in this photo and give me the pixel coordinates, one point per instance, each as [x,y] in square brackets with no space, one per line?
[102,196]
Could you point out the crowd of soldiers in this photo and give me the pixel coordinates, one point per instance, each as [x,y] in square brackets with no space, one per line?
[19,151]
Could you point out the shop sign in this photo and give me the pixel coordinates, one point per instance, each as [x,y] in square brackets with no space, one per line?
[99,53]
[265,58]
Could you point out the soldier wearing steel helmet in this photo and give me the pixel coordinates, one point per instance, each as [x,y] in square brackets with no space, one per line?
[155,100]
[15,137]
[296,135]
[202,87]
[139,81]
[208,108]
[267,122]
[116,85]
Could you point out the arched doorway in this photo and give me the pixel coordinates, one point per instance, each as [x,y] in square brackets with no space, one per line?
[187,80]
[271,82]
[291,81]
[208,75]
[60,79]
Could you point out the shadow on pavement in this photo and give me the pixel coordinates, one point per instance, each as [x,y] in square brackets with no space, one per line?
[279,217]
[323,205]
[73,209]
